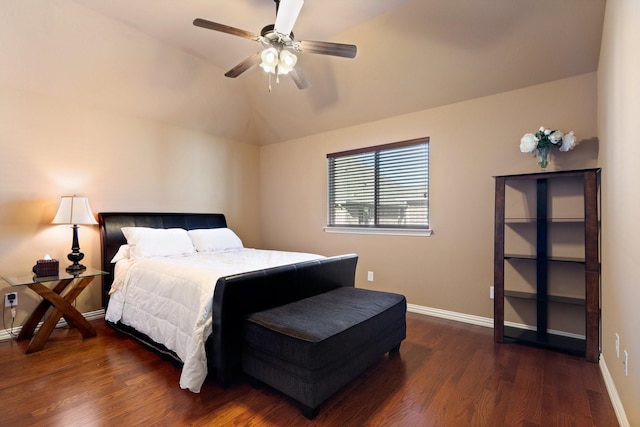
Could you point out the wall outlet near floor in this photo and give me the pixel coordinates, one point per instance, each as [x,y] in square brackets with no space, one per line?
[10,299]
[370,276]
[491,294]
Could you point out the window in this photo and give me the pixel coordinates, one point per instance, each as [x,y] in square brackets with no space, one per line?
[386,186]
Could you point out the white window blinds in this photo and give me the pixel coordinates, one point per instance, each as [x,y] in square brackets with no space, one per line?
[385,186]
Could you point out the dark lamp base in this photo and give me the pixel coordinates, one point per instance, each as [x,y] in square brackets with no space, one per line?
[75,256]
[74,268]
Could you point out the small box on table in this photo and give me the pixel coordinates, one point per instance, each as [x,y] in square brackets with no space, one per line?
[46,267]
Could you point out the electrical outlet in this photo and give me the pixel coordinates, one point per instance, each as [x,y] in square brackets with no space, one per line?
[491,292]
[370,276]
[617,345]
[625,363]
[10,299]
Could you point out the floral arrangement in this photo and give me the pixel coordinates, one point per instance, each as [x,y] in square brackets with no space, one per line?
[543,140]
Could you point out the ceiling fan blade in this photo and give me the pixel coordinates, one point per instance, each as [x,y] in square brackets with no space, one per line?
[327,48]
[288,11]
[243,66]
[298,77]
[225,29]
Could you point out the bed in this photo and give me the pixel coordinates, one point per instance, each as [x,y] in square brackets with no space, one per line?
[224,300]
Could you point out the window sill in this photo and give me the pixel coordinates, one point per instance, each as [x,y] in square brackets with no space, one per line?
[385,231]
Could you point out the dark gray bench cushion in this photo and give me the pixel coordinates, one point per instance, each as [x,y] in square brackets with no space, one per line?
[310,348]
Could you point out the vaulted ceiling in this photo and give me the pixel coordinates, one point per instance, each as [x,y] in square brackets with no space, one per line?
[412,55]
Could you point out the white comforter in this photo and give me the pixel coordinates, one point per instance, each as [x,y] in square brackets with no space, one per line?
[170,298]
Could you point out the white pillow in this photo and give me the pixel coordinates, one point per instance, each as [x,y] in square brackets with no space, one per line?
[123,253]
[214,239]
[149,242]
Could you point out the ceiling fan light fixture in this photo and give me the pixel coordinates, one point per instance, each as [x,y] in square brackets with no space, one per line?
[269,60]
[277,62]
[287,61]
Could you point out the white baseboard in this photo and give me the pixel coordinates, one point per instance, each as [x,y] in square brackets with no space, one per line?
[5,334]
[477,320]
[613,394]
[451,315]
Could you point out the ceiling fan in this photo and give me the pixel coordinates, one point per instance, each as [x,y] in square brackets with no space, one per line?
[280,46]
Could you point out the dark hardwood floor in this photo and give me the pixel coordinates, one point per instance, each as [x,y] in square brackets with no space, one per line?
[447,374]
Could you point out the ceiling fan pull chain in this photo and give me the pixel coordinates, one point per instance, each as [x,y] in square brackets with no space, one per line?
[269,82]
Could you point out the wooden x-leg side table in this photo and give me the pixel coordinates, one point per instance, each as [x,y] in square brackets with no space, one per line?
[60,300]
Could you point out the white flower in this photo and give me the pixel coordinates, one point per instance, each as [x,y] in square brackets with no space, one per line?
[528,143]
[556,137]
[543,139]
[568,142]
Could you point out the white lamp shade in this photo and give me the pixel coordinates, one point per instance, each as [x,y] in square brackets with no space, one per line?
[269,60]
[74,210]
[287,61]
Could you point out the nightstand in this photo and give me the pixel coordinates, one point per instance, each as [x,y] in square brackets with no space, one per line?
[74,284]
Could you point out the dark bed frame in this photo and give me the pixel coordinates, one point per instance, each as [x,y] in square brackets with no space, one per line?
[235,296]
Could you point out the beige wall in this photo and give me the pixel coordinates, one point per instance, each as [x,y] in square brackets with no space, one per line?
[619,129]
[51,148]
[65,50]
[470,143]
[93,107]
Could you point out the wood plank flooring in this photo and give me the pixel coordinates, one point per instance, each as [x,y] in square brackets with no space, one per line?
[447,374]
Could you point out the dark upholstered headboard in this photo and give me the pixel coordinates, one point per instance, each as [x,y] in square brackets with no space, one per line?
[111,236]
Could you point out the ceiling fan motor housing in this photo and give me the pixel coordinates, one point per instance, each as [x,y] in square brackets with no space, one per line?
[269,33]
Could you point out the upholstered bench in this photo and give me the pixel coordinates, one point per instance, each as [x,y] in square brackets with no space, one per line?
[311,348]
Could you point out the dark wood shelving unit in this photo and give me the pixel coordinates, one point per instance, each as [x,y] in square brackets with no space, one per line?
[549,298]
[550,259]
[539,334]
[574,346]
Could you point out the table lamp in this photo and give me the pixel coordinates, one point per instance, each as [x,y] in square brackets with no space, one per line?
[74,210]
